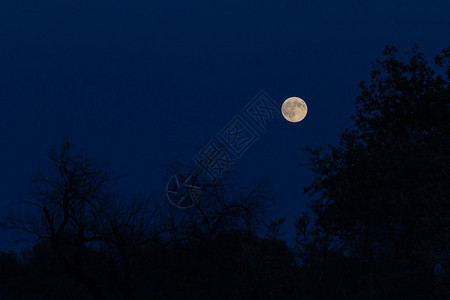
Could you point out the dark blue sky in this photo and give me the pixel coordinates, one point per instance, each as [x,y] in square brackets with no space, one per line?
[141,83]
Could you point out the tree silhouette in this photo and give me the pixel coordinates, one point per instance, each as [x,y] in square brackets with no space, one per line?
[91,242]
[85,224]
[72,199]
[224,206]
[382,194]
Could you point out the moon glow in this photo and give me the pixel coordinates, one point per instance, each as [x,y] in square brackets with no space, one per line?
[294,109]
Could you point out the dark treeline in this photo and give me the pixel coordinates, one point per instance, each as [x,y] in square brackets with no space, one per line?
[379,227]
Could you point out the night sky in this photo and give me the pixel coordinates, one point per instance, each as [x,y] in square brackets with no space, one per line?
[143,83]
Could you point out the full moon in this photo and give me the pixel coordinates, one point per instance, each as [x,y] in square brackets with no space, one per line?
[294,109]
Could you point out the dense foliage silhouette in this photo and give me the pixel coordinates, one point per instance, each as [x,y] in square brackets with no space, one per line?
[381,197]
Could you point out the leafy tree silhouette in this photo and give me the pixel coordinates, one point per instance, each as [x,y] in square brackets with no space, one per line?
[381,197]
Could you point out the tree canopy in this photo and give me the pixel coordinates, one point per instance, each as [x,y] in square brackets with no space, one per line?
[383,192]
